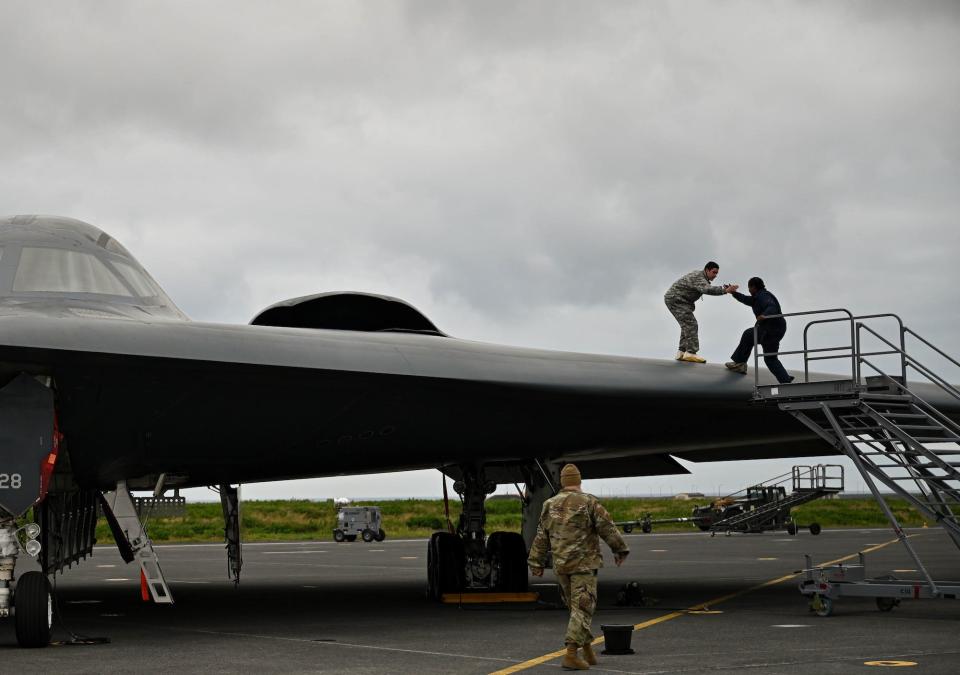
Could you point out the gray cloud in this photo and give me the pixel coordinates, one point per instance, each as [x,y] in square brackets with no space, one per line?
[534,172]
[528,155]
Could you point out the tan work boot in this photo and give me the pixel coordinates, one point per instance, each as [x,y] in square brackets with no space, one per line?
[692,358]
[679,356]
[737,367]
[573,662]
[588,654]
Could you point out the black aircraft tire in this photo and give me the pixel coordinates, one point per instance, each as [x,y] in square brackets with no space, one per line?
[380,535]
[367,535]
[646,528]
[433,583]
[627,529]
[338,536]
[815,528]
[34,610]
[445,564]
[510,553]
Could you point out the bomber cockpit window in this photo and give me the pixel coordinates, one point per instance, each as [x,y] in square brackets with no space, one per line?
[61,271]
[140,282]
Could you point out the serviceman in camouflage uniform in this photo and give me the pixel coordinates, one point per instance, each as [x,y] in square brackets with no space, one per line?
[680,299]
[571,525]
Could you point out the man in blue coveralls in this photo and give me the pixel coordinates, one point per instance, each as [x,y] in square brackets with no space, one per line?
[769,331]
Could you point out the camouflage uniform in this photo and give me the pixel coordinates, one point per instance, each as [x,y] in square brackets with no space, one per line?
[680,299]
[571,525]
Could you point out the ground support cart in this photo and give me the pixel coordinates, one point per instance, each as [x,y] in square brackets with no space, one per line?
[362,521]
[823,585]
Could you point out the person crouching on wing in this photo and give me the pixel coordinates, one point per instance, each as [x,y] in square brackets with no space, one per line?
[680,299]
[769,331]
[571,526]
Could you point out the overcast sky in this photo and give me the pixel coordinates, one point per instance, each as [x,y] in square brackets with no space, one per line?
[529,173]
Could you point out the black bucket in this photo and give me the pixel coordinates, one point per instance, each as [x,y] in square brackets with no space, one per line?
[617,639]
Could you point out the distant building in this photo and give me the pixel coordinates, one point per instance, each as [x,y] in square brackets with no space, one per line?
[689,495]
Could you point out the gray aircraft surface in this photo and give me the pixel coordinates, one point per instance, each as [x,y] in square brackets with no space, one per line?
[108,387]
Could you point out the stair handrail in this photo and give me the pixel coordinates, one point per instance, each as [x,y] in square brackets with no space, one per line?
[930,409]
[931,345]
[915,363]
[806,351]
[770,482]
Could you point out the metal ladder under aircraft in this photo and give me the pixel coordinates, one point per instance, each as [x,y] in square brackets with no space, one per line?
[894,437]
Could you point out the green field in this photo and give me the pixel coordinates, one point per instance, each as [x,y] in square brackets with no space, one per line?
[405,518]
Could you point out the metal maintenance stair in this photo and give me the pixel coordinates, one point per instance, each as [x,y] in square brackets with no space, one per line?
[769,510]
[894,437]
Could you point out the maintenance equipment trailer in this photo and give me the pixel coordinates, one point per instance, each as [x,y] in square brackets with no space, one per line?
[759,508]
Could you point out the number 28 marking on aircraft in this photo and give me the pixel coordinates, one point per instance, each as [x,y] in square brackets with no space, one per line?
[10,480]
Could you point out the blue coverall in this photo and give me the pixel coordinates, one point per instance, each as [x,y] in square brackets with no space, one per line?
[769,333]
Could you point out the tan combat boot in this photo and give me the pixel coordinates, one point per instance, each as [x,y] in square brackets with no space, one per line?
[588,654]
[573,662]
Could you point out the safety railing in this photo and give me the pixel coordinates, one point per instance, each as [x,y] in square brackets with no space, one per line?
[847,351]
[855,353]
[818,477]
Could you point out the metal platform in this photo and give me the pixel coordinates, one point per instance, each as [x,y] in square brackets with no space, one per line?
[804,391]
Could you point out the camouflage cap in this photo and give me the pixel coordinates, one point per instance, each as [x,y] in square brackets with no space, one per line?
[569,475]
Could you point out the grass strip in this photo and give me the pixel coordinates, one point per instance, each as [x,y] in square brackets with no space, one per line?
[293,520]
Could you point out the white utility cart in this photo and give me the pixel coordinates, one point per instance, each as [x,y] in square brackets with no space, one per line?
[362,521]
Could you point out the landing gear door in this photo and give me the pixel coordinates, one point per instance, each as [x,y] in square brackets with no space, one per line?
[26,440]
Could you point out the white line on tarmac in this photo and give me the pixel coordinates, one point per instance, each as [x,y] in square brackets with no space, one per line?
[353,645]
[288,552]
[184,581]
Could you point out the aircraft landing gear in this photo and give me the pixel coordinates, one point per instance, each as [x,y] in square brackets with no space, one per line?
[33,605]
[469,560]
[230,503]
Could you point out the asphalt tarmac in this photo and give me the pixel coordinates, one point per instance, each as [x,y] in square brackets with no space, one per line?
[360,608]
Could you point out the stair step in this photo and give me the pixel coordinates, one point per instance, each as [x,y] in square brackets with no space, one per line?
[886,397]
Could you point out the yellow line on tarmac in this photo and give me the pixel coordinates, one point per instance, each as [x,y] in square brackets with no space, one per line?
[702,606]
